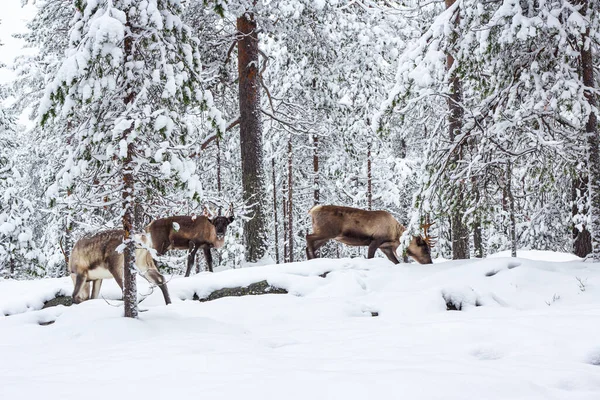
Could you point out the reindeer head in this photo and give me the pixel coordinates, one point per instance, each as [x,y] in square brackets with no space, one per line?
[420,246]
[419,250]
[222,222]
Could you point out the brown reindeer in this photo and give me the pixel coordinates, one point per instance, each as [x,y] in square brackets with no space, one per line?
[356,227]
[189,233]
[95,258]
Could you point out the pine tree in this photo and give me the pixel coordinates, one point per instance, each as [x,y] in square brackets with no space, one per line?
[251,135]
[48,34]
[131,72]
[589,12]
[19,256]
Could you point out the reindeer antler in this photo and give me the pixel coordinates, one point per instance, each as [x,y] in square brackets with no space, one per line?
[230,210]
[426,237]
[205,211]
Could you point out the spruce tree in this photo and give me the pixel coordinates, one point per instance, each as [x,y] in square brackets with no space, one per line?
[132,71]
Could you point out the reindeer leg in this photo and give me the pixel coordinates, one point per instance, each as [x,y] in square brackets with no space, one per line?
[310,252]
[373,246]
[156,277]
[96,291]
[389,249]
[117,273]
[313,243]
[208,257]
[389,252]
[191,257]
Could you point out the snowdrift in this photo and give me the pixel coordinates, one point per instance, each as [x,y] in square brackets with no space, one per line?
[349,328]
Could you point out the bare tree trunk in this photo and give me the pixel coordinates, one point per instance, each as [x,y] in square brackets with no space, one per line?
[290,201]
[68,232]
[128,196]
[286,257]
[369,177]
[478,238]
[129,271]
[460,233]
[477,232]
[275,220]
[591,129]
[582,244]
[251,136]
[219,166]
[316,189]
[511,203]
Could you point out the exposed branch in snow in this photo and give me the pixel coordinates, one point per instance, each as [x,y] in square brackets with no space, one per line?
[262,81]
[62,250]
[214,137]
[230,51]
[288,124]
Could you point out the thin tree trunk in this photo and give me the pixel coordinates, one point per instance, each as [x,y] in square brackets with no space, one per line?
[591,129]
[477,232]
[460,233]
[276,221]
[582,243]
[316,189]
[219,166]
[478,239]
[251,137]
[128,196]
[290,201]
[129,271]
[369,177]
[511,203]
[68,239]
[286,257]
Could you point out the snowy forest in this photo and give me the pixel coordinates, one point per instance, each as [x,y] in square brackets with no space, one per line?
[478,117]
[393,199]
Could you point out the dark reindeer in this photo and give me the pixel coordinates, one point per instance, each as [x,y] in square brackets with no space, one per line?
[356,227]
[95,258]
[190,233]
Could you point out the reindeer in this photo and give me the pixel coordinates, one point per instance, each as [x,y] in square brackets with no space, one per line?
[356,227]
[190,233]
[95,258]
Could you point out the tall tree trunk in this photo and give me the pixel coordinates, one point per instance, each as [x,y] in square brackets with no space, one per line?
[591,129]
[477,238]
[290,201]
[219,167]
[275,220]
[477,232]
[460,233]
[128,196]
[316,189]
[251,137]
[369,177]
[129,271]
[68,238]
[286,257]
[582,243]
[511,203]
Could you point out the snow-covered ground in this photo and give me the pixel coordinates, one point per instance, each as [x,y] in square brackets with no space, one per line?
[528,329]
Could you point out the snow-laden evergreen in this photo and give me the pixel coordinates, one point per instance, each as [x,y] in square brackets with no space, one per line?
[19,255]
[523,106]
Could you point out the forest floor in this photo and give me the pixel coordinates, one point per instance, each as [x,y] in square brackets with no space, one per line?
[347,329]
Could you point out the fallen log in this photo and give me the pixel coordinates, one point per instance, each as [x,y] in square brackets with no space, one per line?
[254,289]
